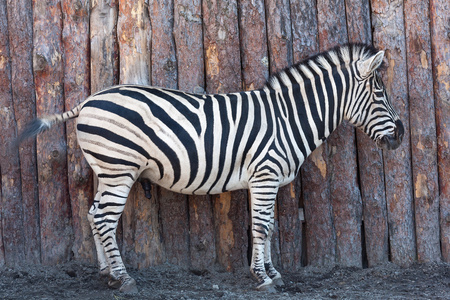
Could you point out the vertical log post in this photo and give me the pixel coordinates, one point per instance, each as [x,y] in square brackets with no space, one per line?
[173,206]
[320,236]
[11,196]
[253,40]
[24,98]
[388,23]
[54,209]
[222,60]
[104,69]
[304,44]
[104,52]
[370,158]
[76,89]
[423,131]
[304,29]
[142,245]
[440,42]
[286,241]
[2,248]
[188,37]
[342,171]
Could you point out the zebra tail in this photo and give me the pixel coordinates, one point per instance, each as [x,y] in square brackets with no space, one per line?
[39,125]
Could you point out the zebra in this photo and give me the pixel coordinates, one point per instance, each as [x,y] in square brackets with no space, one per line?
[209,144]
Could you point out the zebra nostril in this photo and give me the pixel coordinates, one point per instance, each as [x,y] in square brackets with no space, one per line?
[399,130]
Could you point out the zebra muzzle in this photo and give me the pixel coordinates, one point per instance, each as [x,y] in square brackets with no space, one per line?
[392,142]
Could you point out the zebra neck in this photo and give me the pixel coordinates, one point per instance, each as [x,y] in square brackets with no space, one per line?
[311,111]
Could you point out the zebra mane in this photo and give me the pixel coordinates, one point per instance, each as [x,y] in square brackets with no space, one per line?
[340,55]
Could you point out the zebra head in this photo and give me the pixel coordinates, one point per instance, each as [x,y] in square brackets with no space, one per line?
[372,112]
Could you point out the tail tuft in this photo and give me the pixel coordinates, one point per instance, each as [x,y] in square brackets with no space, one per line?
[33,128]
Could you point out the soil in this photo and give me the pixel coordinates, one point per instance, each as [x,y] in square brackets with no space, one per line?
[82,281]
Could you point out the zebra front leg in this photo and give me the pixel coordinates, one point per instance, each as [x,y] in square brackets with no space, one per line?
[262,210]
[106,217]
[270,269]
[101,258]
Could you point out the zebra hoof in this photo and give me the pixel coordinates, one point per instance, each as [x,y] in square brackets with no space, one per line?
[278,282]
[129,286]
[114,283]
[267,286]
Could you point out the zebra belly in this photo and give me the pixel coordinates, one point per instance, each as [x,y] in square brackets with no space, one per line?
[208,187]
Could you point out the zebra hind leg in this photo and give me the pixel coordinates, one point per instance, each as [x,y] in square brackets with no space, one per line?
[268,265]
[262,210]
[105,219]
[101,258]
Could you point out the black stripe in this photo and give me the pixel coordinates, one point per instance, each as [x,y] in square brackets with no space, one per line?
[111,160]
[112,194]
[256,127]
[208,139]
[286,110]
[270,127]
[104,221]
[234,105]
[295,86]
[109,204]
[239,134]
[223,114]
[331,105]
[113,137]
[320,125]
[302,114]
[108,213]
[103,175]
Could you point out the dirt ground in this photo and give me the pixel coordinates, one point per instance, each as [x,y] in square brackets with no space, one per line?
[81,281]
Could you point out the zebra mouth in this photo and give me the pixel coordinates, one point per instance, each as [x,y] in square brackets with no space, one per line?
[392,142]
[388,143]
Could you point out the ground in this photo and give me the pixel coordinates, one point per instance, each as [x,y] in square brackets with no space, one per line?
[81,281]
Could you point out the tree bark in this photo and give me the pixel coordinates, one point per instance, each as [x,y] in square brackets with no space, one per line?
[173,206]
[188,36]
[24,99]
[370,159]
[287,239]
[222,62]
[423,131]
[76,89]
[342,171]
[253,43]
[142,244]
[388,23]
[54,200]
[104,56]
[13,241]
[440,37]
[189,40]
[104,51]
[304,29]
[319,235]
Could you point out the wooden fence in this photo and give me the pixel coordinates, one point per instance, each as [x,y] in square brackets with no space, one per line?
[352,205]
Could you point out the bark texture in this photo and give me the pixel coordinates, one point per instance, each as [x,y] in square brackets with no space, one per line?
[388,22]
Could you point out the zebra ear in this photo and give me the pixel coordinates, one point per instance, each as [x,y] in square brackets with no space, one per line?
[369,65]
